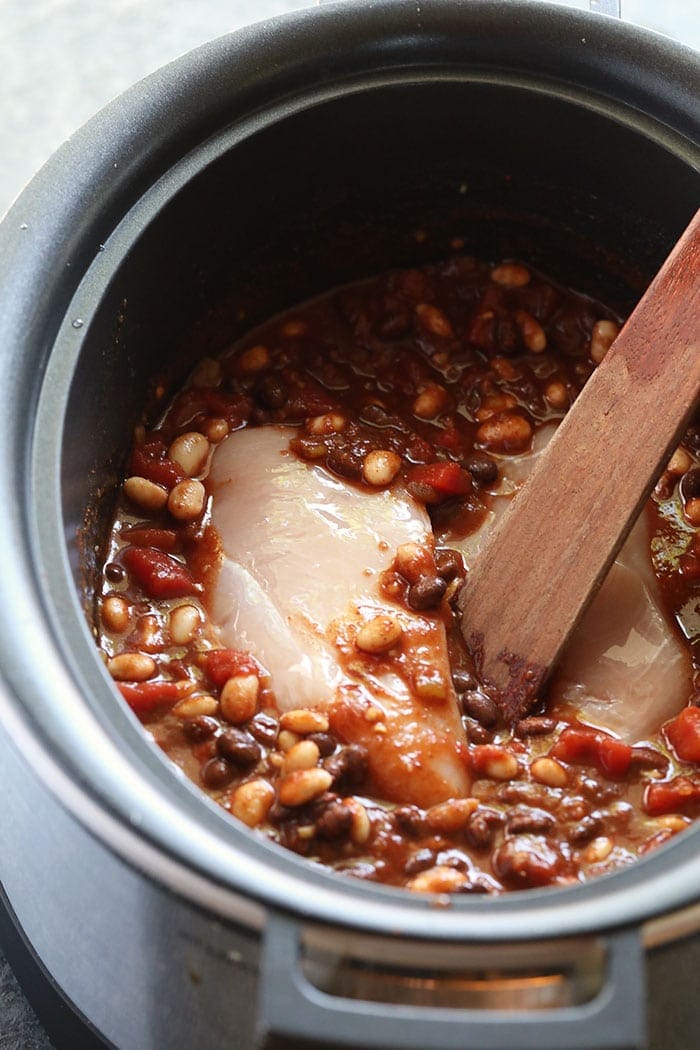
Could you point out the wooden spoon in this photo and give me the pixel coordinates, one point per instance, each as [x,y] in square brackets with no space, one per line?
[545,561]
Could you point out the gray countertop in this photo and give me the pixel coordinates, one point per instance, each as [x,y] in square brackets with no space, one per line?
[18,1026]
[61,61]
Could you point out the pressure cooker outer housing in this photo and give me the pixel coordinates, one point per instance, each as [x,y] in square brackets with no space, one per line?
[258,170]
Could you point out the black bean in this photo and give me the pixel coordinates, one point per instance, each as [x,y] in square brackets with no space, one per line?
[507,336]
[395,323]
[114,573]
[570,329]
[449,563]
[454,858]
[260,417]
[238,747]
[426,592]
[324,742]
[264,728]
[481,708]
[585,830]
[290,838]
[348,767]
[216,773]
[598,790]
[482,468]
[526,391]
[422,492]
[583,371]
[278,813]
[200,728]
[345,462]
[312,812]
[539,299]
[271,392]
[525,861]
[648,758]
[572,808]
[535,726]
[410,820]
[421,860]
[377,415]
[690,485]
[692,439]
[527,819]
[463,680]
[482,826]
[530,794]
[335,821]
[476,733]
[479,884]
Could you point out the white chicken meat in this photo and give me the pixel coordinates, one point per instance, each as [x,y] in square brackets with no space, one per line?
[302,556]
[625,668]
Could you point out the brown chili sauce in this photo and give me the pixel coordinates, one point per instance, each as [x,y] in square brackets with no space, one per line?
[429,380]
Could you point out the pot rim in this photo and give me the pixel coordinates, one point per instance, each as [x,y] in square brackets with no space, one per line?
[118,160]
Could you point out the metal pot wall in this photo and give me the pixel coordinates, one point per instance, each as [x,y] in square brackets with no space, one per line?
[261,169]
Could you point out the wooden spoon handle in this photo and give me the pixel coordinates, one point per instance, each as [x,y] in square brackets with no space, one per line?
[550,553]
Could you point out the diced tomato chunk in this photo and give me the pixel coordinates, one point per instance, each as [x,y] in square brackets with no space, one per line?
[157,573]
[592,747]
[482,330]
[670,796]
[449,438]
[448,479]
[614,756]
[143,536]
[222,664]
[143,697]
[236,408]
[490,760]
[683,734]
[149,461]
[309,399]
[689,565]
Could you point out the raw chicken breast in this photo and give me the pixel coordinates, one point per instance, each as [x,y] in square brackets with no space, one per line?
[302,556]
[625,668]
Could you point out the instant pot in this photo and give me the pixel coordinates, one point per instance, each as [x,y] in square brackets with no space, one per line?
[259,170]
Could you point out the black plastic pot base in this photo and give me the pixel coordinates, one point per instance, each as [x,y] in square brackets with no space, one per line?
[64,1024]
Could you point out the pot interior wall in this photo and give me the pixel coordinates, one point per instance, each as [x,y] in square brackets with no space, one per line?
[336,192]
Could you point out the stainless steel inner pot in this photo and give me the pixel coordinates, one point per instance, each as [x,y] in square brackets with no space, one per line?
[261,169]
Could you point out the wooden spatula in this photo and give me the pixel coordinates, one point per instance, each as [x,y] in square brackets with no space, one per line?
[544,562]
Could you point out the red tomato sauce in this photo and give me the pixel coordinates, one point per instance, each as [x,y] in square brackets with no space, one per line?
[427,379]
